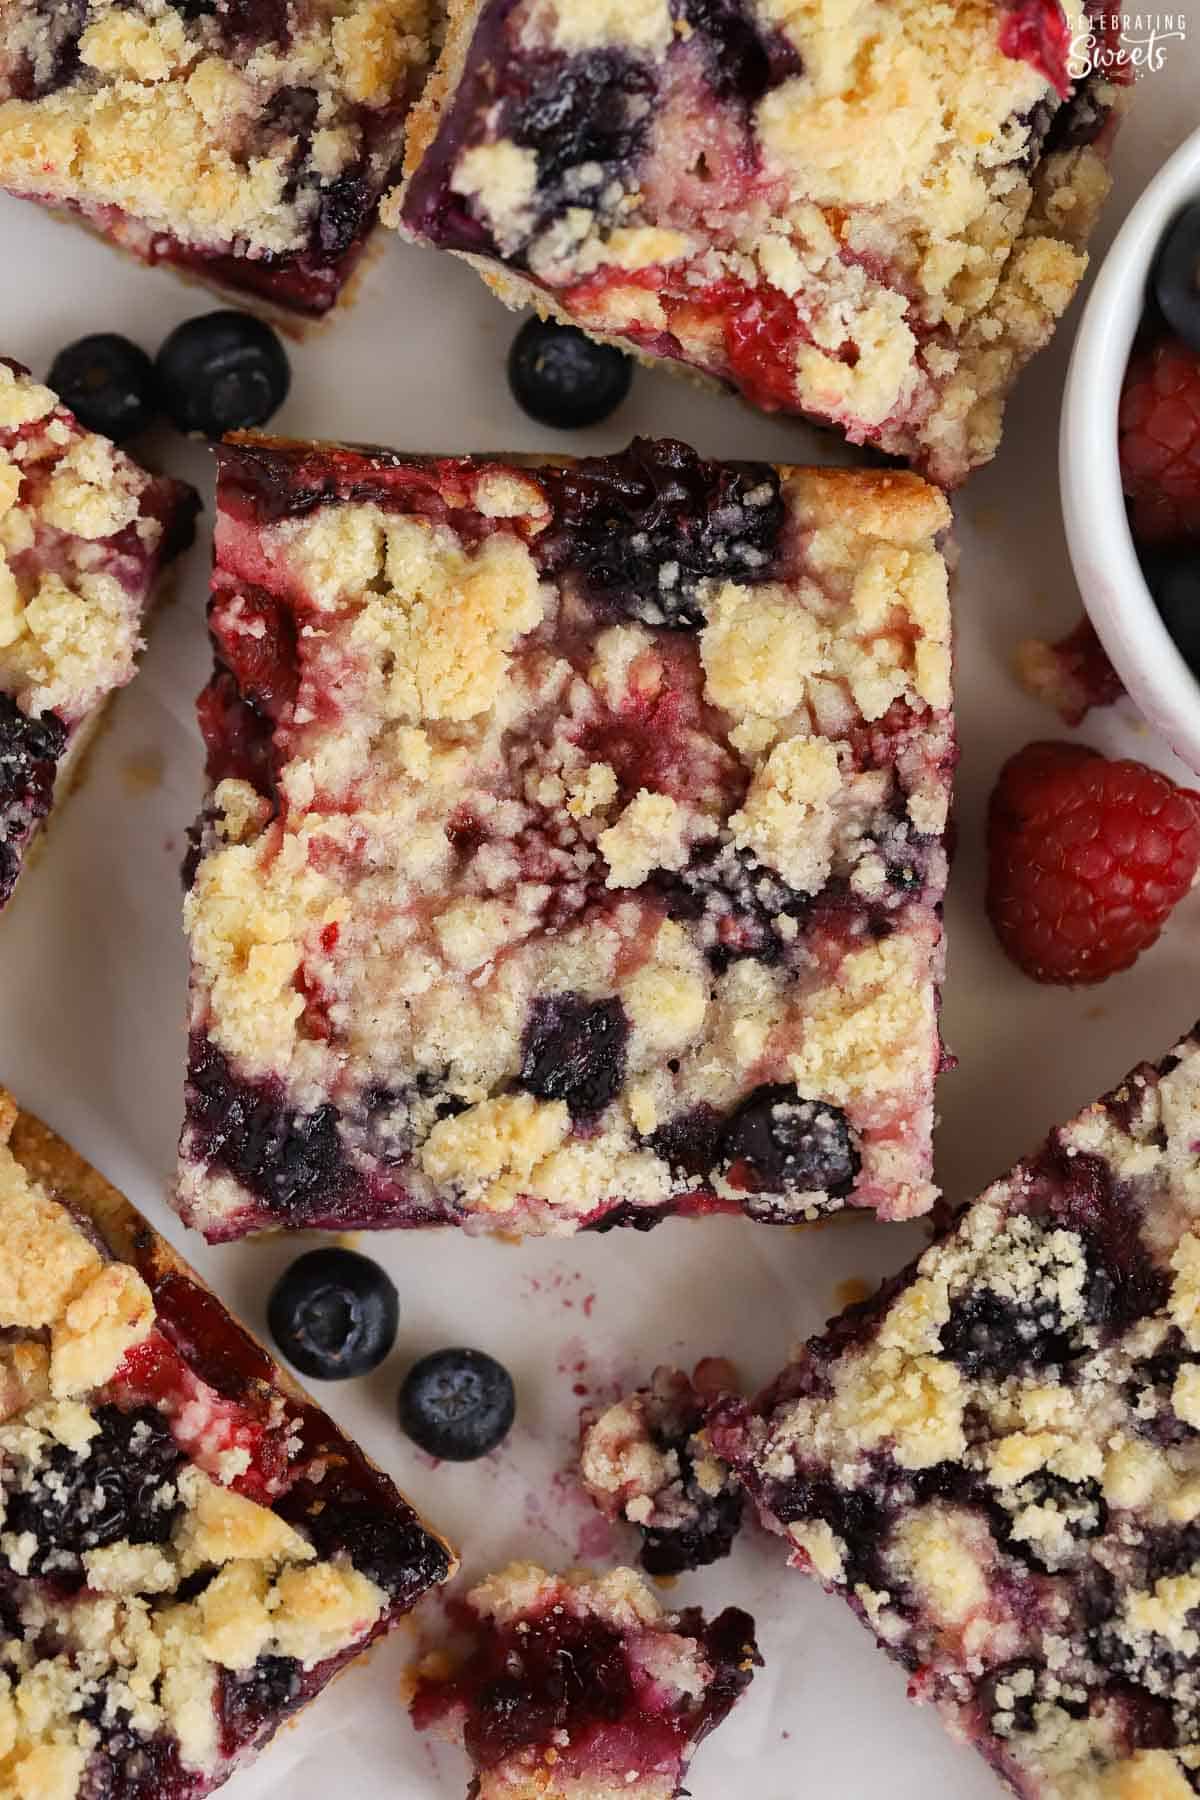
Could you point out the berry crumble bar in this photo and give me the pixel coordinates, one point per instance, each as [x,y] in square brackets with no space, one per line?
[577,1687]
[190,1549]
[996,1459]
[574,853]
[84,536]
[869,214]
[246,141]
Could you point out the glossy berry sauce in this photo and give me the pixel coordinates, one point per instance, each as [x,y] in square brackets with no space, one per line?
[567,1681]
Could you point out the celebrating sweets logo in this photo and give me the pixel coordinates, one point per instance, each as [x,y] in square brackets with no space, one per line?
[1124,44]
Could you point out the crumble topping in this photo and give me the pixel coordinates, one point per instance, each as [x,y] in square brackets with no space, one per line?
[527,888]
[52,1279]
[996,1461]
[870,214]
[70,594]
[250,135]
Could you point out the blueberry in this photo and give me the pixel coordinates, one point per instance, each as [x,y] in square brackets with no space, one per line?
[777,1142]
[334,1313]
[734,901]
[574,1050]
[261,1695]
[742,63]
[457,1404]
[564,379]
[107,382]
[224,371]
[588,115]
[1176,279]
[1175,584]
[293,1162]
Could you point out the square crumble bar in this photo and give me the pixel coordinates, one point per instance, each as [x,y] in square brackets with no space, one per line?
[190,1550]
[869,214]
[996,1460]
[85,535]
[247,142]
[574,854]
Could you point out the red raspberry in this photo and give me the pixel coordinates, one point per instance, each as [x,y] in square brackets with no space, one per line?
[1159,439]
[1086,858]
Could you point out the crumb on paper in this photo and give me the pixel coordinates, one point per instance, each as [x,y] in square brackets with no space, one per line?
[142,772]
[851,1291]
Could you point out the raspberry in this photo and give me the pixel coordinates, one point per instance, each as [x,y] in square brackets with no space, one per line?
[1160,443]
[1086,858]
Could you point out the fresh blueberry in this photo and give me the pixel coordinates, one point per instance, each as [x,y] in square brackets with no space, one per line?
[1175,584]
[777,1142]
[457,1404]
[574,1050]
[224,371]
[334,1313]
[107,382]
[1176,279]
[564,379]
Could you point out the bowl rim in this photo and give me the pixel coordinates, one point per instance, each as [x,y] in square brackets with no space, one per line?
[1114,590]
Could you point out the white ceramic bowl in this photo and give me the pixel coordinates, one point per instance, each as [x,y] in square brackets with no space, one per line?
[1106,566]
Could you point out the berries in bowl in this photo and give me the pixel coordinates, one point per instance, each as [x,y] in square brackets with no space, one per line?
[1130,453]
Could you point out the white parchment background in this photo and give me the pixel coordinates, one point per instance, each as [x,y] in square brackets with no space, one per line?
[92,975]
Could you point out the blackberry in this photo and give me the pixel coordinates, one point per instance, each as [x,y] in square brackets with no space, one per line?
[988,1336]
[574,1050]
[118,1487]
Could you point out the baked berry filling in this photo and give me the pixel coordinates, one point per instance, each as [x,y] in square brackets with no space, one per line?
[586,1679]
[29,753]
